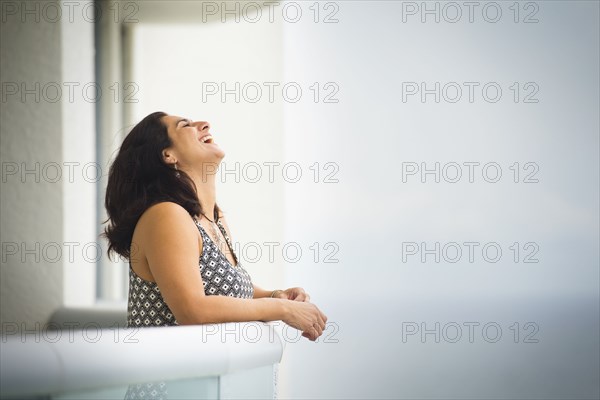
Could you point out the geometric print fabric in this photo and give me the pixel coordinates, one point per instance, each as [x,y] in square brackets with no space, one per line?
[146,306]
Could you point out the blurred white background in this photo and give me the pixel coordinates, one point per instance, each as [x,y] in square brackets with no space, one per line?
[362,227]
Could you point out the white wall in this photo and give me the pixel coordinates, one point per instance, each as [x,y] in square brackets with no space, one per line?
[170,65]
[371,292]
[31,210]
[43,211]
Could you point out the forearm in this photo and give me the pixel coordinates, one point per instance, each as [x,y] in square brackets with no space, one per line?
[260,292]
[219,309]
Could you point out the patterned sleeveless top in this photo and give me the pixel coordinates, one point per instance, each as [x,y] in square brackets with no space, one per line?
[146,306]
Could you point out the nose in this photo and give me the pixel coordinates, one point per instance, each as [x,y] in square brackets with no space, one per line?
[202,125]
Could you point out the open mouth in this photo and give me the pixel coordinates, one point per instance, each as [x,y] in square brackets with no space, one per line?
[206,139]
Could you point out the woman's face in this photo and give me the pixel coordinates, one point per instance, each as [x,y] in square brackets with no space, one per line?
[193,144]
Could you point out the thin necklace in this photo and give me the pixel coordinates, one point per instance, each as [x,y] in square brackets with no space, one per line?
[216,231]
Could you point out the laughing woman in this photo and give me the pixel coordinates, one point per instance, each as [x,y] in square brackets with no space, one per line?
[163,217]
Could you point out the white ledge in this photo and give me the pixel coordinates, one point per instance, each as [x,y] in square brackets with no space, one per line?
[67,360]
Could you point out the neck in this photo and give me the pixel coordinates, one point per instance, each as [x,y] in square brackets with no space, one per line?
[205,190]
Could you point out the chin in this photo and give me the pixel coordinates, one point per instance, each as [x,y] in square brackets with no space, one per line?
[220,154]
[214,154]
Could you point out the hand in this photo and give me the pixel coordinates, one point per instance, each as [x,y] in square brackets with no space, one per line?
[295,293]
[307,318]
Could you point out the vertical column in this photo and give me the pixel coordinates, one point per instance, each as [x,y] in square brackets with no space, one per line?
[81,172]
[109,73]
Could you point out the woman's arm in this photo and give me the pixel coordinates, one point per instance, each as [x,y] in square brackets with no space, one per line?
[260,292]
[295,293]
[171,244]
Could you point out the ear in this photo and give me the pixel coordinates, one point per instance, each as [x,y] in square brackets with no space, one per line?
[168,157]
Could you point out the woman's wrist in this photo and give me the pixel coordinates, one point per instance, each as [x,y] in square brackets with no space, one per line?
[275,292]
[284,308]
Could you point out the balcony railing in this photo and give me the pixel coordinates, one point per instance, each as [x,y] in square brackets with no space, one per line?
[82,359]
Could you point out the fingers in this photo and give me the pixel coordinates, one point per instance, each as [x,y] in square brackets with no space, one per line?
[302,296]
[311,321]
[323,316]
[316,329]
[297,294]
[320,323]
[312,333]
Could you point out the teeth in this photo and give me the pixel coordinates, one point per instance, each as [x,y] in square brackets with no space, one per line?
[206,138]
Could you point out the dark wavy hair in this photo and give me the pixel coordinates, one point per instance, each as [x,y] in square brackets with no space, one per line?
[139,178]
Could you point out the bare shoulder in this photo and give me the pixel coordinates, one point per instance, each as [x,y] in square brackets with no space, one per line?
[165,213]
[166,208]
[158,235]
[165,218]
[165,232]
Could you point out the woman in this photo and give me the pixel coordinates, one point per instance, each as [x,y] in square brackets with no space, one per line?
[163,217]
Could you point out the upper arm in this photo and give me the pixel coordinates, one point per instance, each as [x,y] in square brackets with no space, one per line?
[171,246]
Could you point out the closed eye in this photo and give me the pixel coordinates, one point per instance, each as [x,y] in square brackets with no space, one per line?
[187,123]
